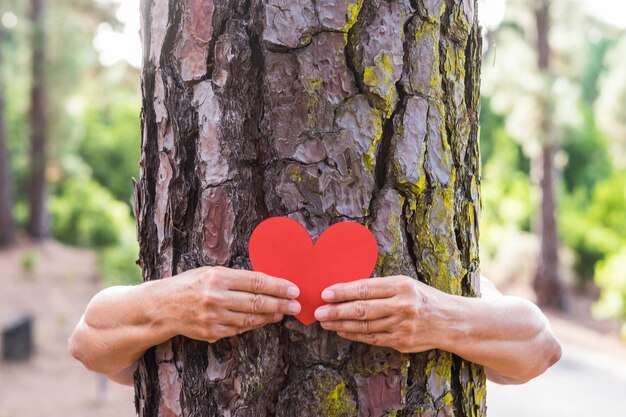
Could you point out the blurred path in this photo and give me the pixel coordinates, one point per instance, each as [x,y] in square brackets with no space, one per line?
[584,383]
[56,291]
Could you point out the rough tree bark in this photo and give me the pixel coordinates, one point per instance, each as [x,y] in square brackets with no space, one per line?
[38,225]
[322,111]
[7,224]
[547,283]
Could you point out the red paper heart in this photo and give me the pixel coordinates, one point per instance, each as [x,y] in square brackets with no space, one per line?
[281,247]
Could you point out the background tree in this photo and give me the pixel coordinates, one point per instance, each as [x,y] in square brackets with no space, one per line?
[320,111]
[7,225]
[39,220]
[547,282]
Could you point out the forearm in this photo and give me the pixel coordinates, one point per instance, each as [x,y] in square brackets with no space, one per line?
[119,325]
[510,336]
[207,304]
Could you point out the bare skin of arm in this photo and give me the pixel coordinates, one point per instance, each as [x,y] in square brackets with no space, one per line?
[207,304]
[510,336]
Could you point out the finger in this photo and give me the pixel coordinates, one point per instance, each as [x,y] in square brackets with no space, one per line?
[245,302]
[260,283]
[356,310]
[244,322]
[214,333]
[376,339]
[362,326]
[364,289]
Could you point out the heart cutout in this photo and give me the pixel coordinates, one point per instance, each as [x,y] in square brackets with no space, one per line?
[344,252]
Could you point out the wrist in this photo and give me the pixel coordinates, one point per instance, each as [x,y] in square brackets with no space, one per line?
[450,322]
[160,316]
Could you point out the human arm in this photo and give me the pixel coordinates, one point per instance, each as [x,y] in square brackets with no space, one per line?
[121,323]
[510,336]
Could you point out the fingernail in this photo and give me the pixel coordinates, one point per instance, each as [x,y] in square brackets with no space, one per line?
[321,313]
[294,307]
[293,292]
[278,317]
[328,294]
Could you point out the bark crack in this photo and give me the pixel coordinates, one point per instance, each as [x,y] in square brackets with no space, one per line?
[258,166]
[456,387]
[351,58]
[182,211]
[410,241]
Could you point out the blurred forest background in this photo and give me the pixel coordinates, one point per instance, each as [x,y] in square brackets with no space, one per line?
[553,139]
[91,133]
[73,151]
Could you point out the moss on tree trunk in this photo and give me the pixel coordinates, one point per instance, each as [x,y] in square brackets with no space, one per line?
[322,111]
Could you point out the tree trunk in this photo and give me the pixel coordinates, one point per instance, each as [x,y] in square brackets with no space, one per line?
[7,225]
[363,110]
[547,283]
[38,222]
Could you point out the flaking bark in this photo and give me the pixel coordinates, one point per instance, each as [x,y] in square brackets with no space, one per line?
[322,111]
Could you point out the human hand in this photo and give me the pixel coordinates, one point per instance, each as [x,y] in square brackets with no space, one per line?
[395,312]
[211,303]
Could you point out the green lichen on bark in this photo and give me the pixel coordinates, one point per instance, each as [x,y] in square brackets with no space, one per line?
[352,11]
[337,403]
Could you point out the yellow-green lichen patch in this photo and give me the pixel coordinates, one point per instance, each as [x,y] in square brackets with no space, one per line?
[337,403]
[408,146]
[377,133]
[314,106]
[377,48]
[448,271]
[424,76]
[352,14]
[325,77]
[433,10]
[380,80]
[431,224]
[438,378]
[393,260]
[338,15]
[474,389]
[388,227]
[373,369]
[314,85]
[295,174]
[404,371]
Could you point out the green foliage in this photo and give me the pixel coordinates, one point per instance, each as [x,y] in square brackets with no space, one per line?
[507,195]
[594,227]
[117,264]
[586,89]
[588,159]
[85,214]
[111,145]
[490,122]
[611,277]
[94,137]
[610,109]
